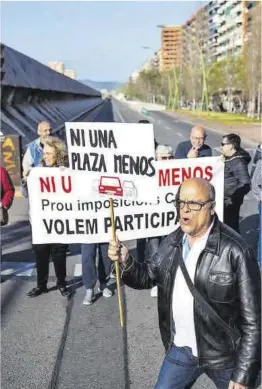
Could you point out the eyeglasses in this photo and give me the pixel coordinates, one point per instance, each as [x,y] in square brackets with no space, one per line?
[164,158]
[198,139]
[192,205]
[223,144]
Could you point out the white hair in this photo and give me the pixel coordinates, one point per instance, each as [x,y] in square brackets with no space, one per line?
[164,150]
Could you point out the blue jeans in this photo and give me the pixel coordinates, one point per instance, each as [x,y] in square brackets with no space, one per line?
[179,371]
[259,236]
[89,269]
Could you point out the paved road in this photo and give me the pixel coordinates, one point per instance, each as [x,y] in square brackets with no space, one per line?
[50,343]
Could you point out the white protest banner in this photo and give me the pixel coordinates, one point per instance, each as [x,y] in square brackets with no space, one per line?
[119,157]
[62,213]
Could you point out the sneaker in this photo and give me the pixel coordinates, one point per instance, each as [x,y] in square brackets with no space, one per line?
[106,292]
[89,297]
[153,291]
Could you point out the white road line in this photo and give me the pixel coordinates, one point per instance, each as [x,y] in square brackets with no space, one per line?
[168,128]
[119,114]
[78,270]
[175,121]
[17,269]
[181,136]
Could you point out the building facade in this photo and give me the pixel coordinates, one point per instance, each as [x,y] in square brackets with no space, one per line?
[195,38]
[171,47]
[58,66]
[70,73]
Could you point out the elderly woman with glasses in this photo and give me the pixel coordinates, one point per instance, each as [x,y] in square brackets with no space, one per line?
[54,155]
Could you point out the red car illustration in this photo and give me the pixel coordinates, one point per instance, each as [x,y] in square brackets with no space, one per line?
[110,186]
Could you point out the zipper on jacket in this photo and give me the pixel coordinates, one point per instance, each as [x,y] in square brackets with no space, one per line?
[170,304]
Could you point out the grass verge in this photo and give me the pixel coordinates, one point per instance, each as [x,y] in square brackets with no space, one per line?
[221,117]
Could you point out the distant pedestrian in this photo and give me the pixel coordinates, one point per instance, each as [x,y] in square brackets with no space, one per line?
[54,155]
[237,181]
[195,147]
[34,153]
[257,192]
[257,157]
[7,195]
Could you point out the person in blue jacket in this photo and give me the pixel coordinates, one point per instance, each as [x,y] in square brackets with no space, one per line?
[195,147]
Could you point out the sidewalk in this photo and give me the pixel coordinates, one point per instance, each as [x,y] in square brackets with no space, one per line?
[249,132]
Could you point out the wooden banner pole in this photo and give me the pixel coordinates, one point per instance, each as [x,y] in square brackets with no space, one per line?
[116,266]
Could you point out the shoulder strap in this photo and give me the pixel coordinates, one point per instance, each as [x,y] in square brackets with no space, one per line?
[204,304]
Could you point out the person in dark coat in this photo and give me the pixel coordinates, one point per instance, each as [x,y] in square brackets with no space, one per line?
[237,181]
[195,147]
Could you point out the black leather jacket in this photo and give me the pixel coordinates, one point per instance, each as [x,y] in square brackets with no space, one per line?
[228,277]
[237,180]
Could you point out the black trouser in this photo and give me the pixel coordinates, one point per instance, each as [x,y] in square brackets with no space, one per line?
[231,215]
[58,254]
[146,247]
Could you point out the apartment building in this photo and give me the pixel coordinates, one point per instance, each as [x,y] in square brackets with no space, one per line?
[195,37]
[228,23]
[70,73]
[252,21]
[171,47]
[58,66]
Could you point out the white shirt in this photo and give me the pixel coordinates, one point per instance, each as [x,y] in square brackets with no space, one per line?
[183,301]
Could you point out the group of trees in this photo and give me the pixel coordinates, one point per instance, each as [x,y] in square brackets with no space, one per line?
[232,84]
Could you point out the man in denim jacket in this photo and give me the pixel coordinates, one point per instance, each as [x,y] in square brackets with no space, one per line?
[34,152]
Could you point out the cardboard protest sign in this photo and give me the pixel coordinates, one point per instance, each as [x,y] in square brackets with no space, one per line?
[62,213]
[118,157]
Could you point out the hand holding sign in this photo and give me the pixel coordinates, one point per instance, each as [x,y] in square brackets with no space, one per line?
[117,251]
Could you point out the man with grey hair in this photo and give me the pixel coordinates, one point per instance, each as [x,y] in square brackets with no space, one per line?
[195,147]
[34,152]
[209,295]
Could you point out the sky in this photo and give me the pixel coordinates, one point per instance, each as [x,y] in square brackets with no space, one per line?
[102,41]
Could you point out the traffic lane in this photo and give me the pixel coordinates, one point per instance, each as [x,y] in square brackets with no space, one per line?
[162,135]
[184,128]
[30,328]
[94,347]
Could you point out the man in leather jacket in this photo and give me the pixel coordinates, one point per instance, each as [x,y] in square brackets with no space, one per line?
[224,270]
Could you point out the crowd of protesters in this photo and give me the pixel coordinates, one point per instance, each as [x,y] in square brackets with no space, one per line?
[204,259]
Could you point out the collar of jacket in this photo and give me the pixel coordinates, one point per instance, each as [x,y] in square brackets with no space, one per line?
[213,242]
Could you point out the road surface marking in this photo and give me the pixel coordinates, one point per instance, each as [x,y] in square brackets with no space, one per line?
[175,121]
[78,270]
[18,269]
[119,114]
[168,128]
[181,136]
